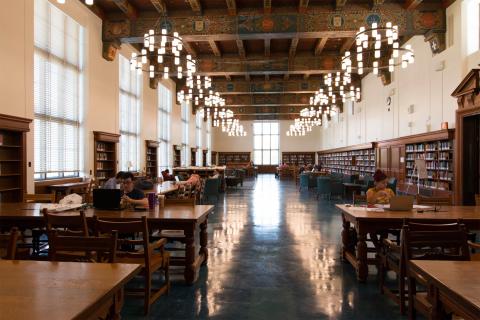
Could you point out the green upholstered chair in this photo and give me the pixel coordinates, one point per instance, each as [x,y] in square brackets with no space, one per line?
[304,181]
[324,186]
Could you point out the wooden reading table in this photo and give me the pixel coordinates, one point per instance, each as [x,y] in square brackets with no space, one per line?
[64,189]
[192,220]
[62,290]
[367,222]
[452,286]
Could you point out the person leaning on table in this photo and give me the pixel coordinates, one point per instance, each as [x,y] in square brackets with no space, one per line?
[379,194]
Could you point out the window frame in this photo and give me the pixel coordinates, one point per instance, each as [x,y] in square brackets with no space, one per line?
[259,152]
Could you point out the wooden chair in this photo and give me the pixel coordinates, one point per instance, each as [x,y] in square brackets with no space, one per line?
[88,196]
[151,256]
[39,197]
[91,249]
[430,242]
[8,244]
[394,257]
[474,256]
[67,224]
[434,201]
[477,199]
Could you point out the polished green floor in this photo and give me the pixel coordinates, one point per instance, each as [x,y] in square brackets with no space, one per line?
[274,254]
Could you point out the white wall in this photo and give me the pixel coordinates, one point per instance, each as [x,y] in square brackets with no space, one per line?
[101,81]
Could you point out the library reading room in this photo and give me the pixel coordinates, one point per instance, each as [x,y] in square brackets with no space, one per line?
[240,159]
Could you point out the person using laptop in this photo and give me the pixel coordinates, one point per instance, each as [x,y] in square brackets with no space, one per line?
[113,182]
[379,194]
[132,196]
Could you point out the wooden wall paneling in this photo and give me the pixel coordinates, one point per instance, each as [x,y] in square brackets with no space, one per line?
[468,101]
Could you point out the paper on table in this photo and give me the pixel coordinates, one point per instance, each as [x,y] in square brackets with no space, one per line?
[375,210]
[56,207]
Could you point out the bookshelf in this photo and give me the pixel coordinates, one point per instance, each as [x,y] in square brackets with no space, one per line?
[298,158]
[214,158]
[225,158]
[151,163]
[359,159]
[438,156]
[105,155]
[13,157]
[177,156]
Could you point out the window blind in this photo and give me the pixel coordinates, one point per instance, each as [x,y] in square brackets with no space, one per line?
[198,137]
[185,122]
[163,126]
[266,143]
[58,92]
[130,100]
[209,141]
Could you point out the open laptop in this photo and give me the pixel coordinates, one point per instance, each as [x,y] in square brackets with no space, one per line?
[108,199]
[400,203]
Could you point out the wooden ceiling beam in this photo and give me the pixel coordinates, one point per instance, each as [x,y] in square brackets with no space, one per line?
[189,49]
[215,49]
[412,4]
[320,45]
[267,47]
[259,65]
[127,9]
[267,6]
[159,5]
[264,87]
[241,49]
[340,4]
[247,76]
[302,6]
[196,6]
[293,48]
[228,77]
[347,44]
[231,7]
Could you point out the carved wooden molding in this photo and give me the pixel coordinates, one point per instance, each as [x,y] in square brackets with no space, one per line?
[106,136]
[13,123]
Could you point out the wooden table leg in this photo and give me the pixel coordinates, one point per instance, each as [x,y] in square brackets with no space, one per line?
[362,264]
[190,271]
[345,237]
[203,241]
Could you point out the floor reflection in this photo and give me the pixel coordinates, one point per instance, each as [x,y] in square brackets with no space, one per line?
[274,254]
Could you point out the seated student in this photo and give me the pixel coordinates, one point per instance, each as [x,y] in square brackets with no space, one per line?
[113,182]
[132,196]
[379,194]
[167,176]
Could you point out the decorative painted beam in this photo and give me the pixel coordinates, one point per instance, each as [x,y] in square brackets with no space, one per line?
[293,48]
[247,76]
[159,5]
[316,24]
[215,49]
[260,87]
[302,6]
[232,7]
[412,4]
[127,9]
[267,6]
[376,3]
[189,49]
[269,100]
[259,65]
[340,4]
[267,47]
[267,77]
[241,49]
[320,45]
[228,77]
[196,6]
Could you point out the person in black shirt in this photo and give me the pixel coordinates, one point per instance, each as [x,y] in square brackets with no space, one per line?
[131,195]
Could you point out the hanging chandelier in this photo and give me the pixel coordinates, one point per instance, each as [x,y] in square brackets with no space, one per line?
[233,128]
[377,48]
[211,104]
[197,90]
[300,127]
[225,119]
[164,51]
